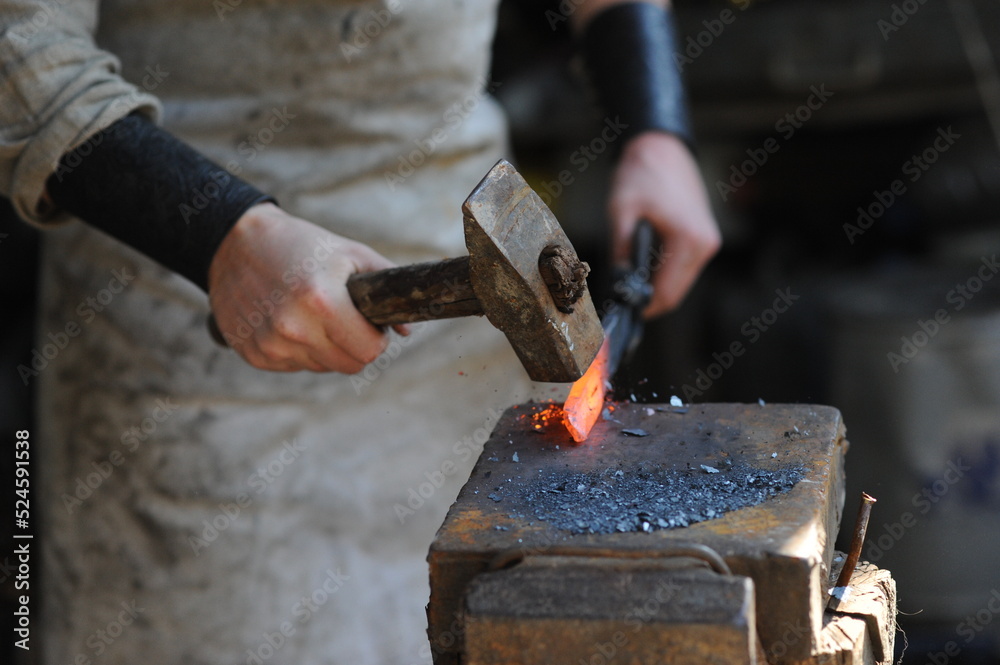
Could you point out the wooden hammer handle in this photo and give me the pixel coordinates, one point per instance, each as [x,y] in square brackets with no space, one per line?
[419,292]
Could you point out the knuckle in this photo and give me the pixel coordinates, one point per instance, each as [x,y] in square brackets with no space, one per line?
[713,242]
[290,331]
[318,302]
[274,351]
[706,243]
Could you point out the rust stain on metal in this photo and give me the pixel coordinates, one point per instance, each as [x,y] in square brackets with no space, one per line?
[472,522]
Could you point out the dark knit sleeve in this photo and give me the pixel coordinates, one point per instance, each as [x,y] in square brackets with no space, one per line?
[145,187]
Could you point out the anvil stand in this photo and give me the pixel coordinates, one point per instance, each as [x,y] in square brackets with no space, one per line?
[747,586]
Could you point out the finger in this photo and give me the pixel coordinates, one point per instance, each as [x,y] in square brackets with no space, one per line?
[346,333]
[252,354]
[333,357]
[303,339]
[624,219]
[321,363]
[366,259]
[682,261]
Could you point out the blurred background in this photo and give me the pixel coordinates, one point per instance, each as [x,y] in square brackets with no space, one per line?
[850,150]
[912,101]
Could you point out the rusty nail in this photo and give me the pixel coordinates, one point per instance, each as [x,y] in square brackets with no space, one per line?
[857,542]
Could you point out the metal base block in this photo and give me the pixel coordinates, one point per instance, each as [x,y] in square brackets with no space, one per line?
[567,610]
[784,544]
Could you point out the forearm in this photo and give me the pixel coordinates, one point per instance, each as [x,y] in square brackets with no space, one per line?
[628,48]
[143,186]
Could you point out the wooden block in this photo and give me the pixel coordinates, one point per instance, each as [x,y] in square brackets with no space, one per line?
[844,641]
[862,628]
[784,544]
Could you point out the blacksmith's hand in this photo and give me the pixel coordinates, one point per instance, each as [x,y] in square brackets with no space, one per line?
[657,179]
[277,286]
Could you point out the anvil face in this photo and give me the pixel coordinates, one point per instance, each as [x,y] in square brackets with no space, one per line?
[761,485]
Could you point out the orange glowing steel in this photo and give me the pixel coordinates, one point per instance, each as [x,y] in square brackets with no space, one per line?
[586,397]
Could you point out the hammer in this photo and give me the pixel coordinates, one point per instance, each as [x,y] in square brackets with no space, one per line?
[521,272]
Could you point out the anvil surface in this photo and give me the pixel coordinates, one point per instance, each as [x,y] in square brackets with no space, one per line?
[784,543]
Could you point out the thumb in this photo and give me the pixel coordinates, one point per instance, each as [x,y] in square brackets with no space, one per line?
[624,219]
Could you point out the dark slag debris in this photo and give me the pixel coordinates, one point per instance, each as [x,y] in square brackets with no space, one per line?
[612,500]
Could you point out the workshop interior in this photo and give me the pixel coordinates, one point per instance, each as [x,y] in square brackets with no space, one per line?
[845,340]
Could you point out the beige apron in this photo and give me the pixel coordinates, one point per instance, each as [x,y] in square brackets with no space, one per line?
[198,510]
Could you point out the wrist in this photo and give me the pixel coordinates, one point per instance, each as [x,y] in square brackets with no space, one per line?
[253,227]
[628,51]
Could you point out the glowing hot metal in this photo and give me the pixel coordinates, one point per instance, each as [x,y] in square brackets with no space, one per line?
[622,323]
[586,397]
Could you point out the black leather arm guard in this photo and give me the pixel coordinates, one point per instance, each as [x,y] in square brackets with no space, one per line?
[628,51]
[143,186]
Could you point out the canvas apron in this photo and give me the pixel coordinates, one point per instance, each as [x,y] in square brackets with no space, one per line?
[198,510]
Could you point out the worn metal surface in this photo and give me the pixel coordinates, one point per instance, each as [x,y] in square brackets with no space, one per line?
[784,544]
[554,610]
[649,499]
[507,227]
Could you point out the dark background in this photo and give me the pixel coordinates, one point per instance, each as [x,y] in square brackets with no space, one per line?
[784,228]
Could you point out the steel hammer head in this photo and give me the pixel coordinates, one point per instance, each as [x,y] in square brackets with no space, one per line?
[528,279]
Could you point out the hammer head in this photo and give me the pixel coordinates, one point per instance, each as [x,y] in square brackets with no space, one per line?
[508,229]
